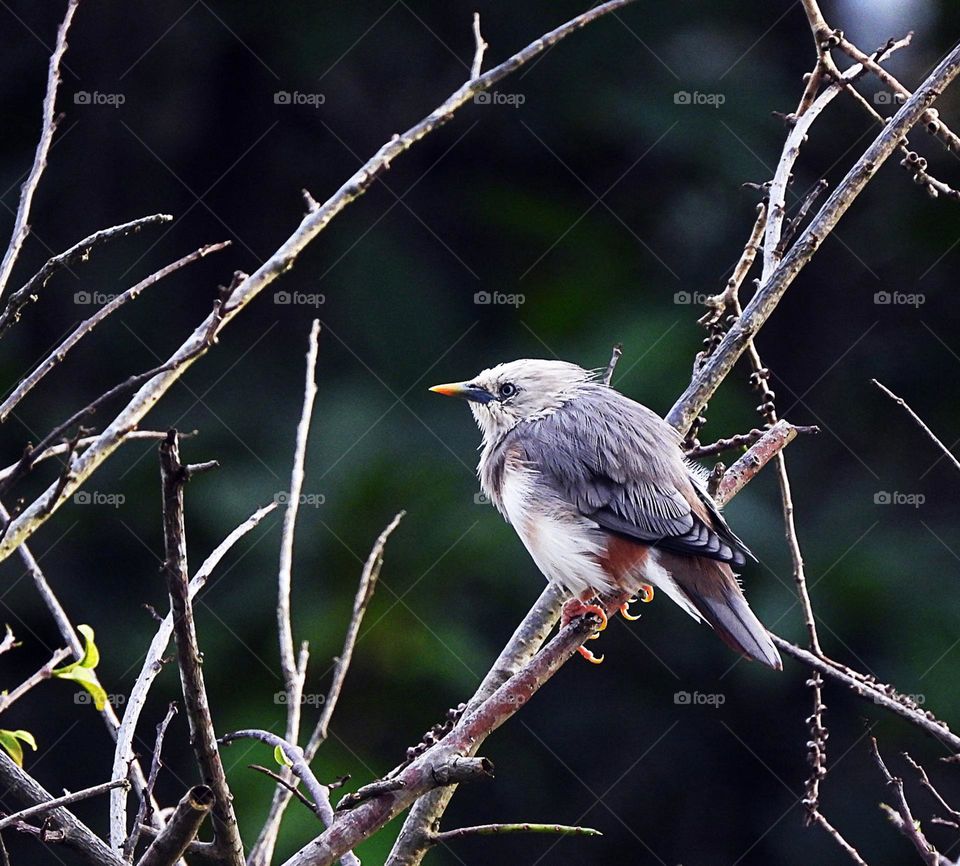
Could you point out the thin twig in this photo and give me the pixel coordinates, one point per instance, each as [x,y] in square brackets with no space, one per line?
[21,225]
[82,442]
[902,818]
[765,300]
[144,810]
[263,849]
[615,356]
[741,440]
[36,513]
[919,422]
[926,783]
[78,252]
[152,665]
[293,789]
[838,838]
[445,836]
[6,699]
[196,704]
[58,802]
[57,355]
[293,676]
[479,50]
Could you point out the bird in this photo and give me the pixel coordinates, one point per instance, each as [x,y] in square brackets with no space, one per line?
[598,489]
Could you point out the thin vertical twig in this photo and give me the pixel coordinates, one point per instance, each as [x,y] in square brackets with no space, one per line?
[174,476]
[480,48]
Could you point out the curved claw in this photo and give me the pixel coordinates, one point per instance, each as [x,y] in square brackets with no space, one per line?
[646,593]
[625,611]
[589,656]
[599,612]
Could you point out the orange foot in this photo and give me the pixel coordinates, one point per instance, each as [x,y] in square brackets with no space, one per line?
[646,596]
[576,608]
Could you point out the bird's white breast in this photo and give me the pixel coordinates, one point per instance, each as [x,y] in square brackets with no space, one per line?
[564,544]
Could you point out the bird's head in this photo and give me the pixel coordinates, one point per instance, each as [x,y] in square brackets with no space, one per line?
[503,396]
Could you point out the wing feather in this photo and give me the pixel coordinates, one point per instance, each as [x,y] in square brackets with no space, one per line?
[619,464]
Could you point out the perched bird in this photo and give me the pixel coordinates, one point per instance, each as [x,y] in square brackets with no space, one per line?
[598,490]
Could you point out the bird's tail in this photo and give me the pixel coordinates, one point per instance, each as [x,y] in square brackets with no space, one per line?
[713,590]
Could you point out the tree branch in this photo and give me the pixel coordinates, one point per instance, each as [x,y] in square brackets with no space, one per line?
[78,252]
[764,302]
[76,835]
[174,476]
[21,225]
[35,514]
[173,840]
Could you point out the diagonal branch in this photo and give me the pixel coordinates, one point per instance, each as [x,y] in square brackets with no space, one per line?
[78,252]
[706,381]
[315,221]
[21,225]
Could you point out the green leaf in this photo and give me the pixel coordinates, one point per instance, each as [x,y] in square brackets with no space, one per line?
[82,672]
[10,742]
[280,757]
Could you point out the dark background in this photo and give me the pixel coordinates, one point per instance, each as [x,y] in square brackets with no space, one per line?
[606,204]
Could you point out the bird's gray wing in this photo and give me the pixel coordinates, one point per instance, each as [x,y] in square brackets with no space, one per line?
[620,465]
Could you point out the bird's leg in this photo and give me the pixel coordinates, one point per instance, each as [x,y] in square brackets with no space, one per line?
[577,607]
[646,596]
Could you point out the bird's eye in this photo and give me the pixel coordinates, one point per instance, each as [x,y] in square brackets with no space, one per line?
[507,390]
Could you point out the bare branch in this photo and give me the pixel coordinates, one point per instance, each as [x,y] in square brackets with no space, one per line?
[263,849]
[293,675]
[144,810]
[26,385]
[65,800]
[78,252]
[901,817]
[23,788]
[926,783]
[615,356]
[498,829]
[708,378]
[300,768]
[481,47]
[769,445]
[202,735]
[21,225]
[741,440]
[35,514]
[919,422]
[43,674]
[174,839]
[838,838]
[876,693]
[152,665]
